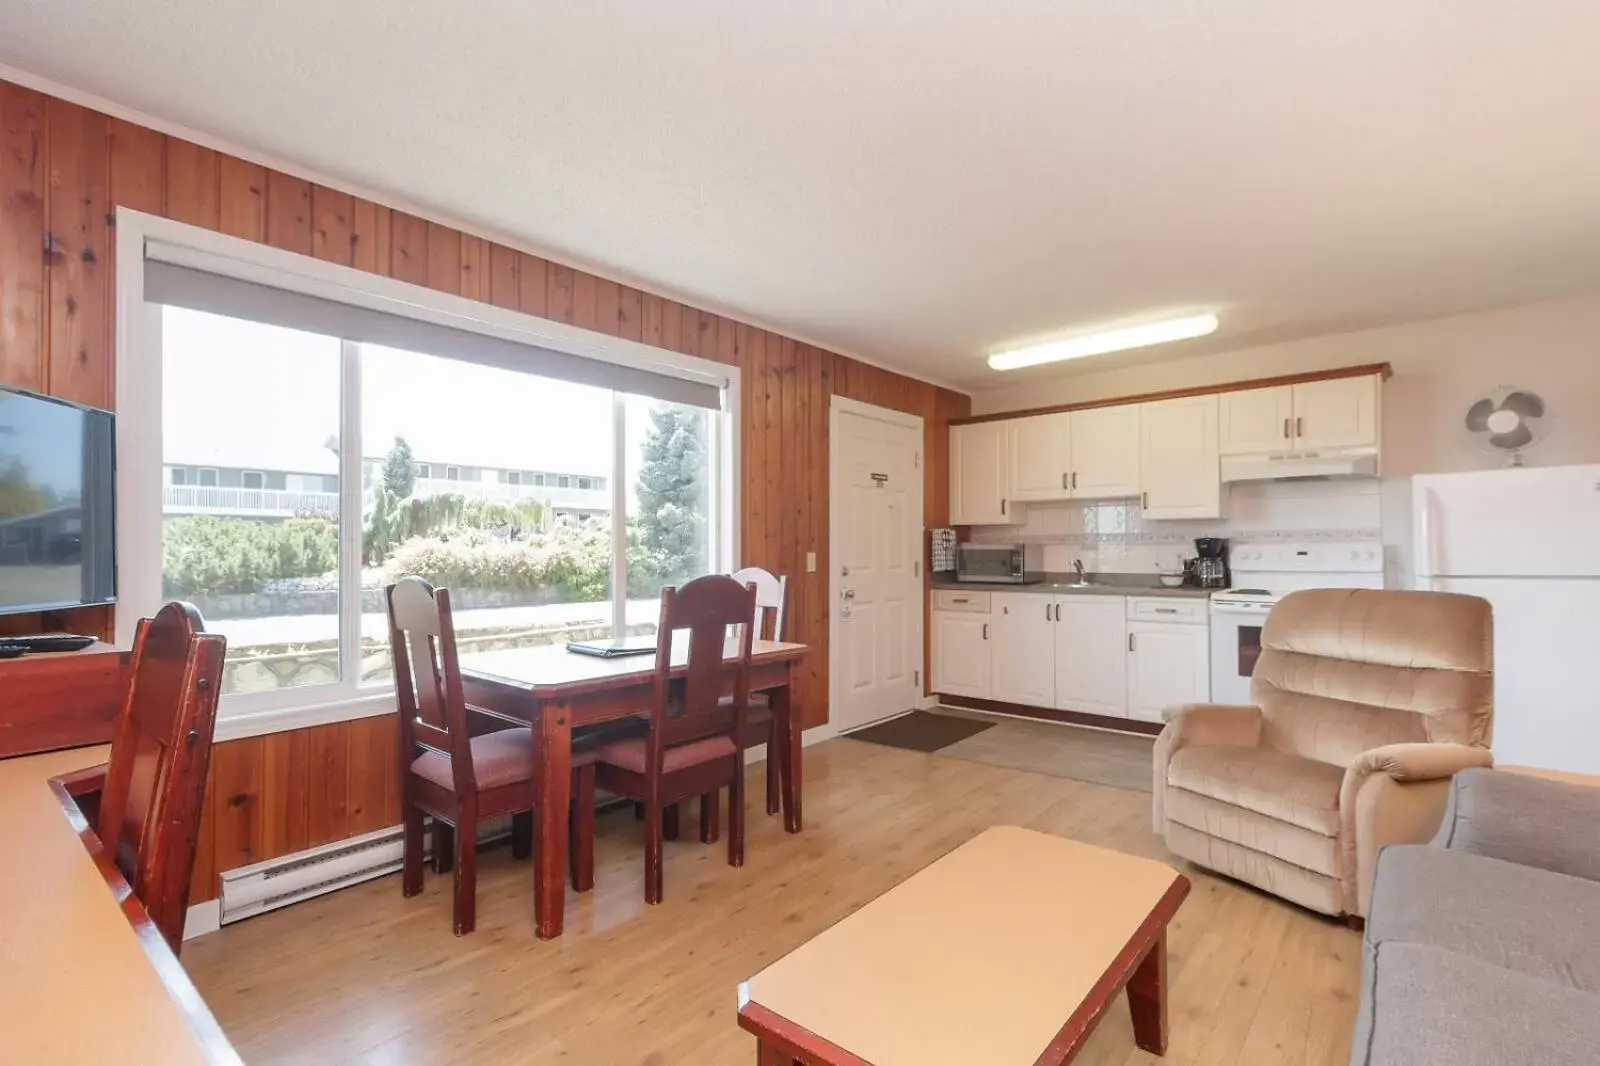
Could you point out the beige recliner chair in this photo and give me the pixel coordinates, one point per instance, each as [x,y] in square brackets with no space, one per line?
[1365,704]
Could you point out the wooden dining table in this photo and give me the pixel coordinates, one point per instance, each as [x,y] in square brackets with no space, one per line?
[554,690]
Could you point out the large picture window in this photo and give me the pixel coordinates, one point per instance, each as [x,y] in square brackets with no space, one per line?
[307,460]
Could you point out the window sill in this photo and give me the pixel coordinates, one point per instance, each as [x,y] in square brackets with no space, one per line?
[282,719]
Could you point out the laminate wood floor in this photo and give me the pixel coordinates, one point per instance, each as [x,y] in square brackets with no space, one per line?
[365,976]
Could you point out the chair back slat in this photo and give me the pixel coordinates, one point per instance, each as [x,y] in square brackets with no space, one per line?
[709,609]
[771,592]
[149,819]
[427,675]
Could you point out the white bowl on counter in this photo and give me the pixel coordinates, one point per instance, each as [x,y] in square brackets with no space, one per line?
[1170,581]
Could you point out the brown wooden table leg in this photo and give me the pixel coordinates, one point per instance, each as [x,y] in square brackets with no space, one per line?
[554,806]
[1147,998]
[786,718]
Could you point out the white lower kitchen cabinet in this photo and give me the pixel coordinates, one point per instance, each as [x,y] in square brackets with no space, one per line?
[1168,664]
[961,646]
[1023,648]
[1091,655]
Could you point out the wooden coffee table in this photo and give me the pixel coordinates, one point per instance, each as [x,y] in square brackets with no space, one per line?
[1005,952]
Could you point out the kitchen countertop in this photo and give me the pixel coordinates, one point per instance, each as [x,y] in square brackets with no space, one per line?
[1053,584]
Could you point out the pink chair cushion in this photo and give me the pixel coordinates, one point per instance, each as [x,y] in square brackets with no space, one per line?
[630,753]
[501,758]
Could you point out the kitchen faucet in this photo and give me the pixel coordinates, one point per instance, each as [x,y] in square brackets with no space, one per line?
[1077,564]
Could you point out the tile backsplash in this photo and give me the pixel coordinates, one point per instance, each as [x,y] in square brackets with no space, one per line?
[1111,536]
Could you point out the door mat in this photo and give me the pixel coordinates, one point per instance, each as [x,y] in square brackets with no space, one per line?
[921,731]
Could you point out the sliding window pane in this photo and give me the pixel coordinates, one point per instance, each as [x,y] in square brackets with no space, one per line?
[670,476]
[250,493]
[445,445]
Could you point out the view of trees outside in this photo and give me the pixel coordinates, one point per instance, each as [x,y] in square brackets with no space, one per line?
[526,563]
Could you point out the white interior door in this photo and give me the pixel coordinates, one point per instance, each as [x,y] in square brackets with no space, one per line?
[875,505]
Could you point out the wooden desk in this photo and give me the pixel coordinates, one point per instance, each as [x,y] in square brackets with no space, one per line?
[86,978]
[1005,952]
[553,690]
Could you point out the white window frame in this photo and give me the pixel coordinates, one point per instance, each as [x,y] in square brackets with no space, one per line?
[262,474]
[139,439]
[448,476]
[200,473]
[174,473]
[424,471]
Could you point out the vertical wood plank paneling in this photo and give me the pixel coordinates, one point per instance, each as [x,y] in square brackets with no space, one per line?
[369,236]
[474,283]
[791,446]
[194,184]
[286,779]
[630,314]
[243,209]
[328,792]
[79,337]
[374,751]
[288,213]
[533,279]
[650,314]
[827,367]
[333,231]
[585,300]
[23,196]
[138,168]
[773,444]
[238,767]
[672,325]
[607,306]
[408,248]
[444,259]
[505,277]
[559,289]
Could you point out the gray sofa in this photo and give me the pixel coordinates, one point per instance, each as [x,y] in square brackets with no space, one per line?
[1484,947]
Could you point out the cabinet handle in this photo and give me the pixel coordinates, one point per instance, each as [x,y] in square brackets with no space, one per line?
[1299,427]
[1047,612]
[1064,481]
[1058,612]
[986,631]
[1144,500]
[1130,641]
[1285,429]
[1166,610]
[1074,479]
[1002,505]
[958,599]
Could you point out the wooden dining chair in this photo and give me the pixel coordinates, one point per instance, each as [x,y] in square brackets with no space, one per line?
[692,747]
[446,772]
[155,781]
[771,592]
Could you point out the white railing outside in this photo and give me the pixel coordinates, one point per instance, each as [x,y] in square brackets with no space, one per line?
[269,503]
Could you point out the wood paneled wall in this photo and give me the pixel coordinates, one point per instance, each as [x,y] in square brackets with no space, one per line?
[64,169]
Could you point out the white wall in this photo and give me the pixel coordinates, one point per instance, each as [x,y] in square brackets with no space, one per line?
[1440,367]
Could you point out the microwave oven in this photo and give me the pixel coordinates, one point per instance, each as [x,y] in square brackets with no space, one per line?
[993,563]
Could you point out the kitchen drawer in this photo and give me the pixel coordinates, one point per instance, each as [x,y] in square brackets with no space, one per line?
[957,600]
[1168,609]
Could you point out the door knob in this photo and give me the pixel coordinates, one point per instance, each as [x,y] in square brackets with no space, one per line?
[848,594]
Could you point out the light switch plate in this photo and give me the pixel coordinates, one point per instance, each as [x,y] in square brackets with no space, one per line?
[811,562]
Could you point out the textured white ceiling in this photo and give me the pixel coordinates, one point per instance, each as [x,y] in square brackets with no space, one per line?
[919,181]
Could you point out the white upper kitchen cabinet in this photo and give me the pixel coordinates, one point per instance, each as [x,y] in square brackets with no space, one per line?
[1091,655]
[961,646]
[1105,452]
[1040,460]
[979,485]
[1023,655]
[1180,476]
[1168,665]
[1256,421]
[1336,413]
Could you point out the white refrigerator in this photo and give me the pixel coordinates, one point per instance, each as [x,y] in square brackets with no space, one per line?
[1528,541]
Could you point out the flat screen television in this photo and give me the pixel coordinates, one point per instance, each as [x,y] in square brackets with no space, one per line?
[57,504]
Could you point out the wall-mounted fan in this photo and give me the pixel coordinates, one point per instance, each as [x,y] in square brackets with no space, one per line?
[1508,422]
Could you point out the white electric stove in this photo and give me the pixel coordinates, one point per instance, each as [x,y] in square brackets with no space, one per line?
[1262,575]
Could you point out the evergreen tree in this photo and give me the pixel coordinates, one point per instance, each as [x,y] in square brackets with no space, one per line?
[399,471]
[672,494]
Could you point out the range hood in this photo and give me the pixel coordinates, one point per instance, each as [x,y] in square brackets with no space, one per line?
[1310,464]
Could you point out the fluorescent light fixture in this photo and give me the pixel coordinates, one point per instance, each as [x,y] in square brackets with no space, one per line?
[1111,340]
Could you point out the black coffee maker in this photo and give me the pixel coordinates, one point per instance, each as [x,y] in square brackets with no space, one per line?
[1210,568]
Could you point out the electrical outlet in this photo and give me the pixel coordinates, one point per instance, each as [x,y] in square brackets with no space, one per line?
[811,562]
